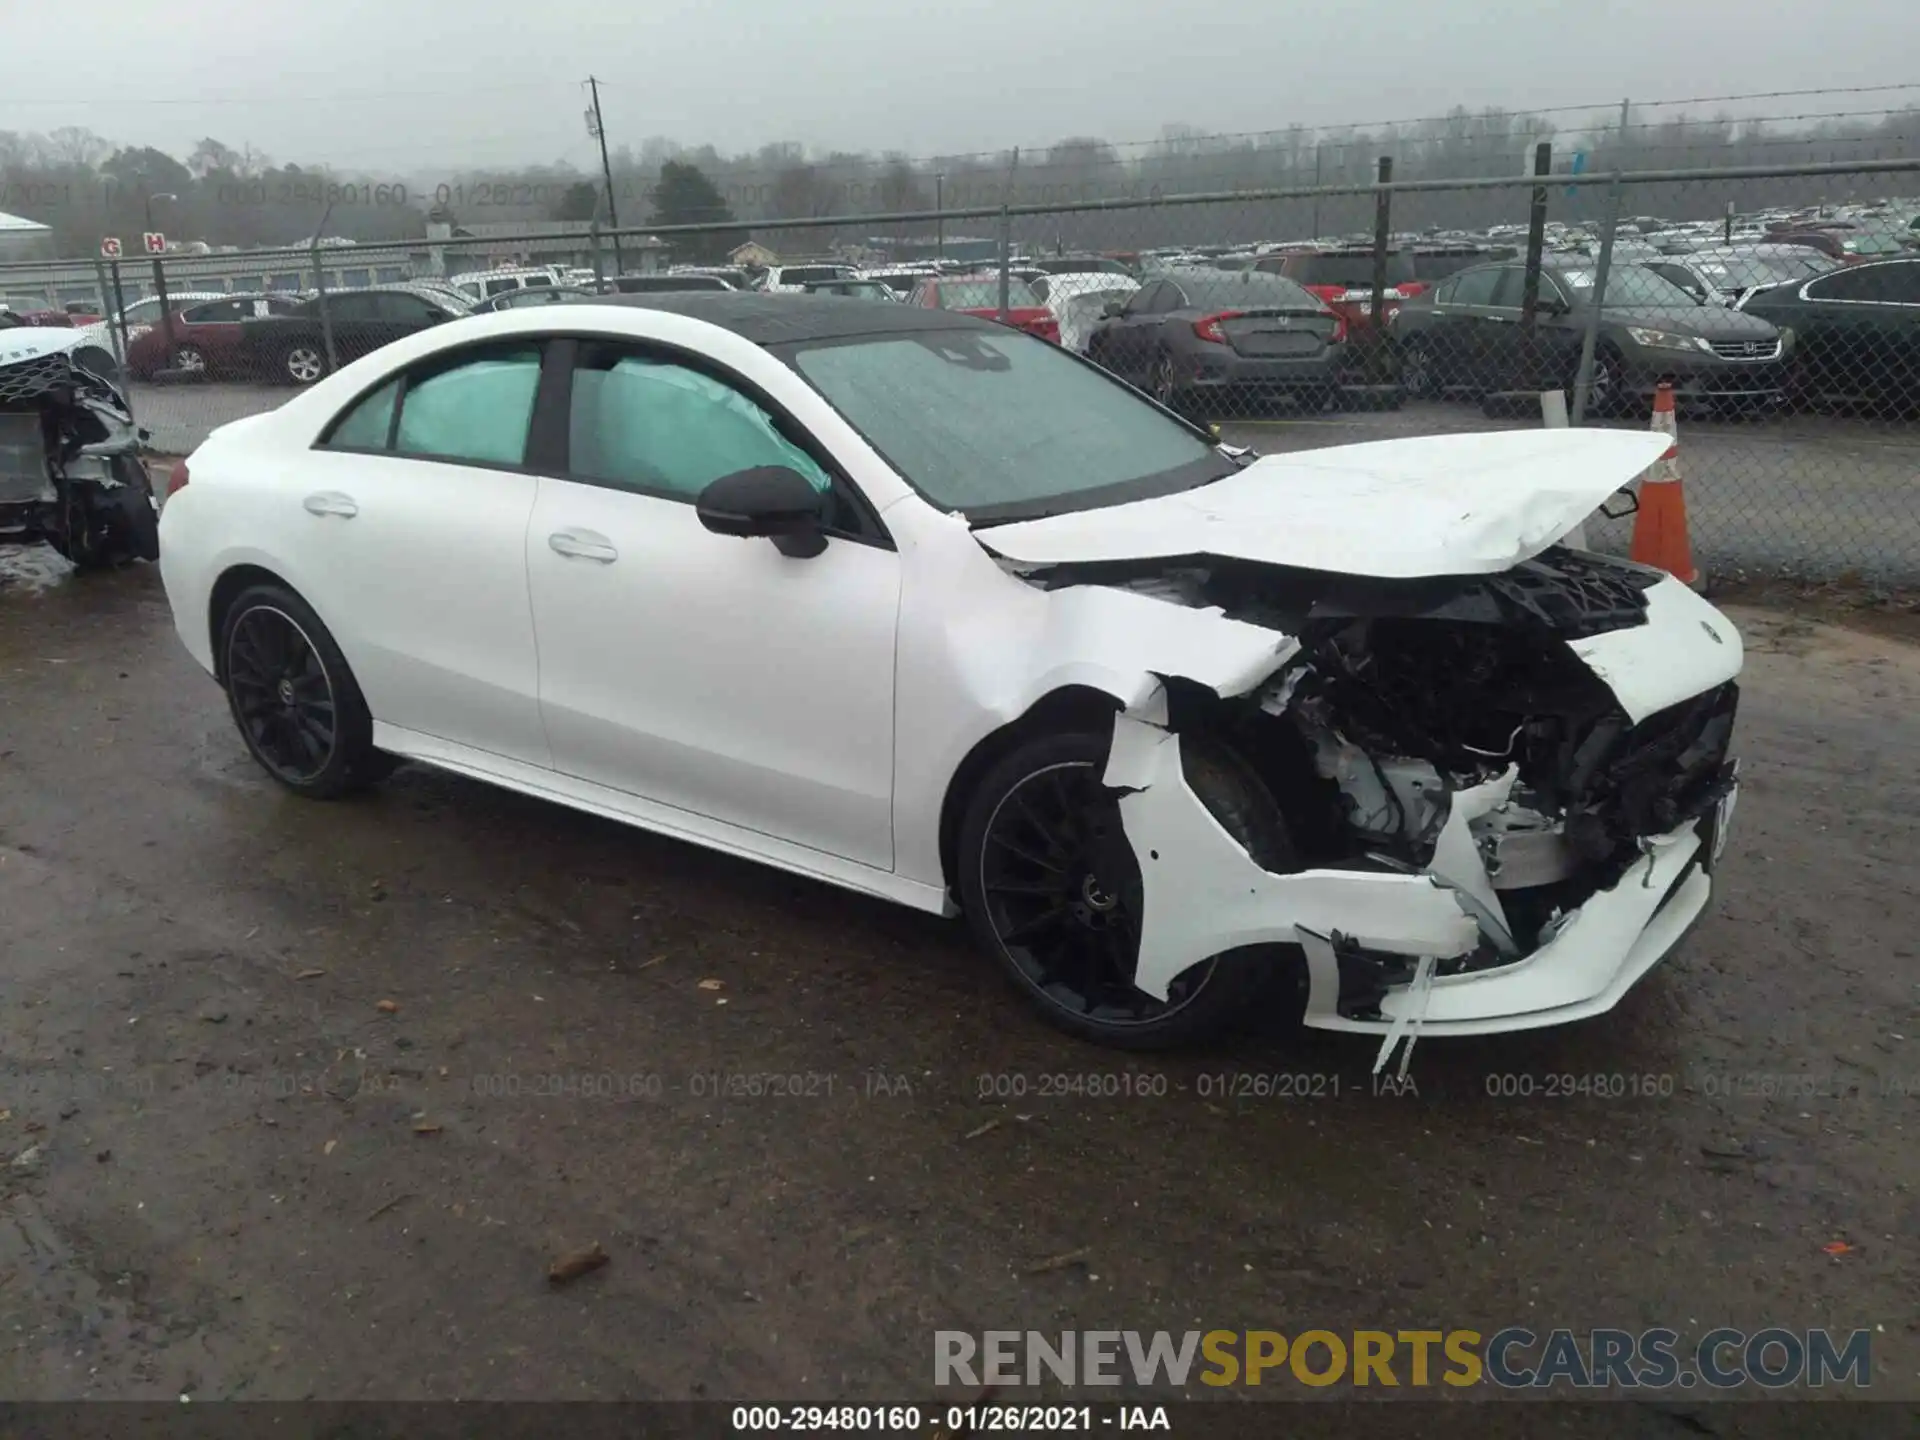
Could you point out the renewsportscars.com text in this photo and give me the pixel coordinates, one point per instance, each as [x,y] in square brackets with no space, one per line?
[1512,1358]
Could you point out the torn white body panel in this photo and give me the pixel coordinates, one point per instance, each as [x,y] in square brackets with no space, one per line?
[1204,895]
[1685,647]
[1431,505]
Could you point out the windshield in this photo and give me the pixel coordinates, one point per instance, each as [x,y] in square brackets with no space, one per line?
[1631,285]
[1349,270]
[1064,265]
[982,294]
[1004,426]
[1238,289]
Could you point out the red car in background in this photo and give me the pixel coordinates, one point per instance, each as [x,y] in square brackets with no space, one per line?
[980,295]
[205,338]
[1344,280]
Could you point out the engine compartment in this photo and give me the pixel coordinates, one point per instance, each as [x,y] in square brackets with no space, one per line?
[1404,694]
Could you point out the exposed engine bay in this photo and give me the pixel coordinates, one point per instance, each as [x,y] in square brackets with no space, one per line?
[70,468]
[1449,728]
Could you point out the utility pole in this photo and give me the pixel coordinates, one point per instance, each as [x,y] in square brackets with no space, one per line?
[940,219]
[599,130]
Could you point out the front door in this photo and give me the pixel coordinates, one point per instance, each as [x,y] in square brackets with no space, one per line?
[706,672]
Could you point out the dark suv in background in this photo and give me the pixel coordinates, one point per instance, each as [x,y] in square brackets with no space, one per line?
[1466,334]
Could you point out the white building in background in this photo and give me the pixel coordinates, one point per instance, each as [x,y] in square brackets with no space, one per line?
[23,239]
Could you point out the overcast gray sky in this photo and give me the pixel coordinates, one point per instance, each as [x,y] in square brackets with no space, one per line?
[415,88]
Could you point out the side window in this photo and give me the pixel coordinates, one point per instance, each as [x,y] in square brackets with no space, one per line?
[408,308]
[1142,301]
[476,409]
[1476,287]
[351,308]
[216,312]
[1443,293]
[1040,284]
[496,287]
[652,425]
[1168,300]
[367,425]
[1512,285]
[1868,282]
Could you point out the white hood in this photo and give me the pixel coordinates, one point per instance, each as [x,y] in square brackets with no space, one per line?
[1397,509]
[32,342]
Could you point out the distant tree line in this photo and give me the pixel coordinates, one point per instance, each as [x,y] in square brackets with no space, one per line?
[84,186]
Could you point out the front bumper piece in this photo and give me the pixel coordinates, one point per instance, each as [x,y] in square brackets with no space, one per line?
[1205,895]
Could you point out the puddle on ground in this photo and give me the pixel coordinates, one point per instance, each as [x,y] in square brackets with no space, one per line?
[31,568]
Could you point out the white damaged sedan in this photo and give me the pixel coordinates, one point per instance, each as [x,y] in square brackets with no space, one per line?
[921,606]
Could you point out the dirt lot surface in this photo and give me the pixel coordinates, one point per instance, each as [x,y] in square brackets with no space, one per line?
[302,1100]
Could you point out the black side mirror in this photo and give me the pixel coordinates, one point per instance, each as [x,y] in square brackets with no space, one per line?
[771,501]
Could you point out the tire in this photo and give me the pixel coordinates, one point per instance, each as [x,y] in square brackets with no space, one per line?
[285,678]
[115,526]
[1607,391]
[1052,891]
[1164,388]
[303,364]
[192,360]
[1417,377]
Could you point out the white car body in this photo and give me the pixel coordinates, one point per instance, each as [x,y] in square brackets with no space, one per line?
[1074,299]
[793,279]
[485,284]
[815,713]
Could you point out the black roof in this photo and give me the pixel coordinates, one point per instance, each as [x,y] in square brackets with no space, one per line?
[787,319]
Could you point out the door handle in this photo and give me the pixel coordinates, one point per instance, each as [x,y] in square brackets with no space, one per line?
[583,545]
[331,502]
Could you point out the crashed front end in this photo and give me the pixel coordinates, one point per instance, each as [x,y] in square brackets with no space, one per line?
[70,472]
[1504,795]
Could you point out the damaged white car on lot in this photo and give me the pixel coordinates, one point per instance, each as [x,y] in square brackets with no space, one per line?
[70,467]
[927,608]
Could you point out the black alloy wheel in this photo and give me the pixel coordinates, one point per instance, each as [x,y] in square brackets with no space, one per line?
[293,698]
[1053,888]
[281,695]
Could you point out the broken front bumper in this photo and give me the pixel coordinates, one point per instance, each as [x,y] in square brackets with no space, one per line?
[1204,895]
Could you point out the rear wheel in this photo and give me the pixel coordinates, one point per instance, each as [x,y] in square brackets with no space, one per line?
[191,362]
[1417,375]
[293,698]
[303,364]
[1165,388]
[1053,891]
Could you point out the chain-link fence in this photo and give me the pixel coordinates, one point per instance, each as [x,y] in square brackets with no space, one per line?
[1780,304]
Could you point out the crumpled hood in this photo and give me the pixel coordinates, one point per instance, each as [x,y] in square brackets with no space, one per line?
[33,342]
[1396,509]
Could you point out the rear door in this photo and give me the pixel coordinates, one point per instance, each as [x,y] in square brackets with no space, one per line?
[1458,325]
[407,531]
[1127,343]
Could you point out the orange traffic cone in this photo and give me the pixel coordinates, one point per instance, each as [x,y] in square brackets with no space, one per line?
[1660,527]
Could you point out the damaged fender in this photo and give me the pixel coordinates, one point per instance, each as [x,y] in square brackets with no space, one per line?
[1204,894]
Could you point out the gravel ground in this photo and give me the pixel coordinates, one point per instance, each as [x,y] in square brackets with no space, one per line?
[276,1121]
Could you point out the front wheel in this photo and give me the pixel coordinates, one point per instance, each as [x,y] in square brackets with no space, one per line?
[1052,889]
[293,698]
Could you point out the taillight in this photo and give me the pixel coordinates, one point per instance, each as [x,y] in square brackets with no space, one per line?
[1410,289]
[177,478]
[1207,327]
[1328,292]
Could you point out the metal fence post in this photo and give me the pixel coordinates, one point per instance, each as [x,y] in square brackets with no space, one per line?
[1602,267]
[166,310]
[118,322]
[1006,259]
[1530,288]
[1382,233]
[116,341]
[326,317]
[599,271]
